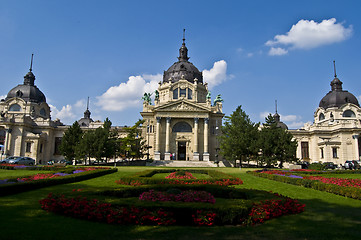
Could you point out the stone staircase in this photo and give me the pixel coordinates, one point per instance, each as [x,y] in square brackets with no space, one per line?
[170,163]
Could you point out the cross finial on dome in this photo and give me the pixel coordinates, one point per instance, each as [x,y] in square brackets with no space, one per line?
[334,67]
[184,35]
[183,51]
[31,63]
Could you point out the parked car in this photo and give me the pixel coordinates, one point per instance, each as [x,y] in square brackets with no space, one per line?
[352,164]
[22,160]
[67,162]
[6,160]
[329,165]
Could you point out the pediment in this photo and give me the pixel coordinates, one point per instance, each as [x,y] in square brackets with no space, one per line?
[181,106]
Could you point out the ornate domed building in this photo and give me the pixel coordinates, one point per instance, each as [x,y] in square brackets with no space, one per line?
[334,134]
[26,128]
[182,124]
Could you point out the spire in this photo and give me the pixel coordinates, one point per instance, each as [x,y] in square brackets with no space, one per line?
[31,63]
[336,84]
[183,51]
[87,112]
[276,116]
[29,78]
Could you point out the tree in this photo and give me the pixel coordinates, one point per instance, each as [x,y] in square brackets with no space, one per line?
[276,143]
[133,145]
[86,148]
[239,138]
[71,138]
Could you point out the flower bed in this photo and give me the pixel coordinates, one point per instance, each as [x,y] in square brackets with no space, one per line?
[44,180]
[180,175]
[145,177]
[247,213]
[340,186]
[184,196]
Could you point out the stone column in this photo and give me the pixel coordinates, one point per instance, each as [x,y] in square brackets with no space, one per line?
[7,142]
[157,140]
[357,154]
[206,153]
[167,139]
[195,137]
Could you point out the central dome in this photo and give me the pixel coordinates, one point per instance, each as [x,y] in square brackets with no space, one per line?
[27,91]
[337,97]
[182,68]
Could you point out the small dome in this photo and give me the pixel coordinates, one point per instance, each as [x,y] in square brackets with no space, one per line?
[27,91]
[337,97]
[280,124]
[182,68]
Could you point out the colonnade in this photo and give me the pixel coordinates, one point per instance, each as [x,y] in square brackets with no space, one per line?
[195,139]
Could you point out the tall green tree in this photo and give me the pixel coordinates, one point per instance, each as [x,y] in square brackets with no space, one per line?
[276,144]
[86,149]
[239,138]
[71,138]
[133,145]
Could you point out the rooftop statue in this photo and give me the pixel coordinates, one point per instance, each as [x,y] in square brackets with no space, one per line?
[208,96]
[146,98]
[218,99]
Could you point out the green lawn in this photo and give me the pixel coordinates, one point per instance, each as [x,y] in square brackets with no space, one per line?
[327,216]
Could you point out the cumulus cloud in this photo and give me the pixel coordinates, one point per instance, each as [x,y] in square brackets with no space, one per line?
[308,34]
[128,94]
[277,51]
[217,74]
[70,112]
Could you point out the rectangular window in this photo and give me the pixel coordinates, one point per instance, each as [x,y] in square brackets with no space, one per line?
[304,150]
[28,147]
[321,153]
[334,152]
[175,93]
[189,93]
[183,92]
[57,144]
[41,148]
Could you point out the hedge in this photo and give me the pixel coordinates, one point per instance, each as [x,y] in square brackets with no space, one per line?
[145,177]
[7,189]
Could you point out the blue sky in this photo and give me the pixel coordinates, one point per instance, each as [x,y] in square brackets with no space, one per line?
[251,52]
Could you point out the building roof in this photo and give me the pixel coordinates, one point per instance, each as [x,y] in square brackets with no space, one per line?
[182,68]
[337,97]
[27,91]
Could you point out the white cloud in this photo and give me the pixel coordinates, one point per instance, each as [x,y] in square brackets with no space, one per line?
[64,114]
[3,96]
[277,51]
[250,54]
[217,74]
[308,34]
[129,94]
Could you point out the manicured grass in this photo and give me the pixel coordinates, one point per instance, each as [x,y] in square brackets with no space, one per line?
[327,216]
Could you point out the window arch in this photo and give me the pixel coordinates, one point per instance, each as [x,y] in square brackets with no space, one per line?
[348,113]
[15,108]
[321,117]
[182,127]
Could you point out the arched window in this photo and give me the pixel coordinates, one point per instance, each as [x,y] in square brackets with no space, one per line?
[15,108]
[321,117]
[348,113]
[42,112]
[182,127]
